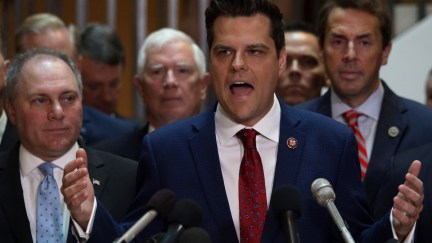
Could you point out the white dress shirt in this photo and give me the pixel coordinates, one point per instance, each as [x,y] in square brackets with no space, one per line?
[230,150]
[31,177]
[3,123]
[370,109]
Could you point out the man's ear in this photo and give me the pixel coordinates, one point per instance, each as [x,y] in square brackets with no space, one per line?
[10,111]
[138,82]
[386,53]
[205,82]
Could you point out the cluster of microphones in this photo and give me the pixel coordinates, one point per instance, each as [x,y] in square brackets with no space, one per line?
[185,216]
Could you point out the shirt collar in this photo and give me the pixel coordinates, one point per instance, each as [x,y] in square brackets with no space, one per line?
[268,126]
[371,107]
[3,123]
[29,162]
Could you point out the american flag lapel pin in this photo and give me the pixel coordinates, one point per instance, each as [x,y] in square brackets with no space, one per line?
[95,182]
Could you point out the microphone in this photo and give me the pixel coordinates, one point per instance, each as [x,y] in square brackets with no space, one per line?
[323,193]
[194,235]
[159,204]
[286,204]
[186,214]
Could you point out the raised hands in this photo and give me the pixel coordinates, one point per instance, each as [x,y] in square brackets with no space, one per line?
[408,203]
[78,190]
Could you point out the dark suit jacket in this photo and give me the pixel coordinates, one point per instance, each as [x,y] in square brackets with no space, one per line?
[183,157]
[10,137]
[128,146]
[411,118]
[113,180]
[399,168]
[98,126]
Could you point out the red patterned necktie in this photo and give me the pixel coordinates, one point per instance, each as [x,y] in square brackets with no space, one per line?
[252,192]
[351,117]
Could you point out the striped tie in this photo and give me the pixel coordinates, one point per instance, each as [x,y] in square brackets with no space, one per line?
[351,119]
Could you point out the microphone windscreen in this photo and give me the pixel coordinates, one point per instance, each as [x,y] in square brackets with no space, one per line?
[194,235]
[286,198]
[187,213]
[162,201]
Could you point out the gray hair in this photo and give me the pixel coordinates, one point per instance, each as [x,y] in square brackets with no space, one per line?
[14,72]
[163,37]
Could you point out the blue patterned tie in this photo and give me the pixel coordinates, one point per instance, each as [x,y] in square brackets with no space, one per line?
[49,222]
[252,191]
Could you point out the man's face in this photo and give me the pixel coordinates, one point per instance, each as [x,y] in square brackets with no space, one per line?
[58,39]
[170,86]
[245,67]
[353,54]
[304,75]
[47,109]
[101,84]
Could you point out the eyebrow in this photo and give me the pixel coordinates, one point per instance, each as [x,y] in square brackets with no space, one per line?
[251,46]
[365,35]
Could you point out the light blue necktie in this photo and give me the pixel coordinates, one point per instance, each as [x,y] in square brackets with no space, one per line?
[49,222]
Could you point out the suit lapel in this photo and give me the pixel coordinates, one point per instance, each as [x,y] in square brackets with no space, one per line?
[12,196]
[95,165]
[97,177]
[206,159]
[379,161]
[322,104]
[287,165]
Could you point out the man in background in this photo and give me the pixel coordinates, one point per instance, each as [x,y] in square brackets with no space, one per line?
[172,82]
[355,37]
[304,76]
[101,61]
[8,134]
[45,30]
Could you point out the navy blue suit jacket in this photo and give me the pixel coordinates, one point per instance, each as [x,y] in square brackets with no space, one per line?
[183,157]
[411,118]
[113,181]
[399,168]
[98,126]
[128,145]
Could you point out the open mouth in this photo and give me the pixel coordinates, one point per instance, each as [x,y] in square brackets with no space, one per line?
[241,88]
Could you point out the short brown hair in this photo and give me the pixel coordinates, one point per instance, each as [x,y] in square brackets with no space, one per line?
[374,7]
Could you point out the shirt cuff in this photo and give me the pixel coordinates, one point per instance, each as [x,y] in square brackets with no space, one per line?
[409,238]
[82,235]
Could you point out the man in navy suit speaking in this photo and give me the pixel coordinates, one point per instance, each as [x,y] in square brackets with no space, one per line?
[202,158]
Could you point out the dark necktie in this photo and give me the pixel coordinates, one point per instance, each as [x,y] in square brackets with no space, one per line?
[49,224]
[351,117]
[252,191]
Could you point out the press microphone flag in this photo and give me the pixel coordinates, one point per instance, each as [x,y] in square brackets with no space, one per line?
[186,214]
[160,204]
[323,193]
[286,204]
